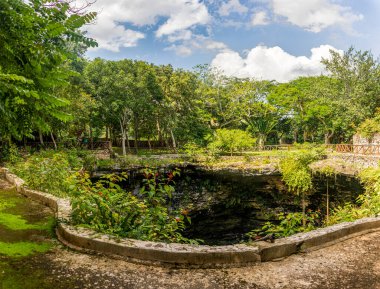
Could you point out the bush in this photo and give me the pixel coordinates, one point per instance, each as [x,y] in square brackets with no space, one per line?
[51,171]
[289,224]
[9,153]
[106,207]
[367,204]
[230,141]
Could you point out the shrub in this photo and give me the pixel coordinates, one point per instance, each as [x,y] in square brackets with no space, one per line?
[106,207]
[230,141]
[297,175]
[48,172]
[289,224]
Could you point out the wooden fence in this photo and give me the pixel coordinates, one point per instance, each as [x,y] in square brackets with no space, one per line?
[357,149]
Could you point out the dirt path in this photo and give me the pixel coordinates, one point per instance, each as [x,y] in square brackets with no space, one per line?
[354,263]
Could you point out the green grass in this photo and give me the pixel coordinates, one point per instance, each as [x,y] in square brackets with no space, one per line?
[22,249]
[17,222]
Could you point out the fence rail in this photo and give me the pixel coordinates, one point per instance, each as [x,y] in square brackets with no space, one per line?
[358,149]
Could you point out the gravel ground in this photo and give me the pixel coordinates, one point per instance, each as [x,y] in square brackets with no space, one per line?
[354,263]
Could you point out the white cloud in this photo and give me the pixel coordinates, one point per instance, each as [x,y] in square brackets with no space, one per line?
[259,18]
[232,6]
[110,31]
[112,36]
[315,15]
[190,14]
[197,42]
[180,35]
[181,50]
[272,63]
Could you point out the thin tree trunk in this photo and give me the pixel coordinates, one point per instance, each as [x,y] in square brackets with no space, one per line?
[91,139]
[136,136]
[173,140]
[128,145]
[327,202]
[123,145]
[303,210]
[52,138]
[149,144]
[159,132]
[41,137]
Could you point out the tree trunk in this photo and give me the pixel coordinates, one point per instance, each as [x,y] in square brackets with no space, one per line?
[304,136]
[262,138]
[91,139]
[52,138]
[149,144]
[41,137]
[303,210]
[159,132]
[128,145]
[173,140]
[328,137]
[123,145]
[136,136]
[327,202]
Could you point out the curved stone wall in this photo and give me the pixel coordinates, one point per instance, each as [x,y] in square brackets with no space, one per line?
[183,255]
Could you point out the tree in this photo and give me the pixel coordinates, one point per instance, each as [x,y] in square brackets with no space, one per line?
[36,40]
[358,74]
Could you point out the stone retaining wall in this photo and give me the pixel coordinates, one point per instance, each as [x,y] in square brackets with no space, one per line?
[183,255]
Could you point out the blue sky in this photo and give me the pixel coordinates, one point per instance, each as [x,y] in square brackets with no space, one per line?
[264,39]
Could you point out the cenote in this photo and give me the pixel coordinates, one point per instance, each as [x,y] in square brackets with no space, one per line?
[225,205]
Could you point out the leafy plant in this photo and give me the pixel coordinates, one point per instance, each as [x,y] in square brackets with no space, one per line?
[289,224]
[367,204]
[298,176]
[50,174]
[9,153]
[230,140]
[106,207]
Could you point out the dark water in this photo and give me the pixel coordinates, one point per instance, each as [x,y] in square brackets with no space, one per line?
[224,206]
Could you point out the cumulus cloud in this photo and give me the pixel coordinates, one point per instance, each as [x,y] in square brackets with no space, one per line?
[197,43]
[315,15]
[272,63]
[259,18]
[113,16]
[232,6]
[112,36]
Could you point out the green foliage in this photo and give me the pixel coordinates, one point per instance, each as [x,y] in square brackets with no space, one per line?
[36,42]
[370,127]
[367,204]
[289,224]
[106,207]
[9,153]
[296,172]
[230,140]
[51,171]
[193,151]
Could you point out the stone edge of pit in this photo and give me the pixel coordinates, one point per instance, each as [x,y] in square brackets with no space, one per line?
[184,255]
